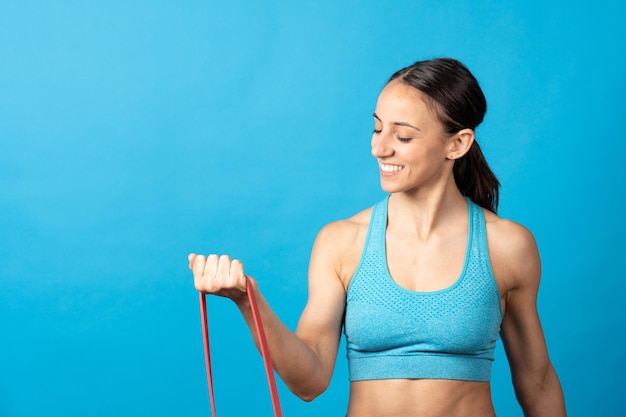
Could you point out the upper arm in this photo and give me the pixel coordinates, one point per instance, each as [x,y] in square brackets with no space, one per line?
[320,323]
[521,329]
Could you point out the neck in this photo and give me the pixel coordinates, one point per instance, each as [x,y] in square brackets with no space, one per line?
[425,214]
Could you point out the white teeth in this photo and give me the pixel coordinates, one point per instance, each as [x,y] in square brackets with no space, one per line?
[390,168]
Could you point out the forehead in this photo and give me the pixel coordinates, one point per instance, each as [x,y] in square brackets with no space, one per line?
[399,101]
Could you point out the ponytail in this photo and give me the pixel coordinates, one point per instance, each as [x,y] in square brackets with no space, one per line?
[475,179]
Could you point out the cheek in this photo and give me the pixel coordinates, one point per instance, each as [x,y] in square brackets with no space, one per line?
[423,156]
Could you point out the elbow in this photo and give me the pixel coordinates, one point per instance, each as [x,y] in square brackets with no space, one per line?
[539,381]
[310,391]
[309,377]
[541,390]
[307,397]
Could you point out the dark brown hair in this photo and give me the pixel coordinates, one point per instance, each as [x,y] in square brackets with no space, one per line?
[460,104]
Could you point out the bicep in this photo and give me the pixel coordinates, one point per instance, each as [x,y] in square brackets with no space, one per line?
[320,323]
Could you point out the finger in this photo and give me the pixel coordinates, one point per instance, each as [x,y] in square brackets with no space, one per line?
[223,271]
[198,271]
[237,273]
[210,268]
[191,257]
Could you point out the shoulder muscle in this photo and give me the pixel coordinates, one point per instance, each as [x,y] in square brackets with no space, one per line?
[513,253]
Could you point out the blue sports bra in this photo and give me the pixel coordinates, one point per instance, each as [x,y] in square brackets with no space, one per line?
[392,332]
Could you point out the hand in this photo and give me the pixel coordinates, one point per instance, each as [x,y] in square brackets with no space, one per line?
[218,275]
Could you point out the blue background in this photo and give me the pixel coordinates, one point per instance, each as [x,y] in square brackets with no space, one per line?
[132,133]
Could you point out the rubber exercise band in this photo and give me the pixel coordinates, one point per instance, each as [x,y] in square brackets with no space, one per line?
[269,370]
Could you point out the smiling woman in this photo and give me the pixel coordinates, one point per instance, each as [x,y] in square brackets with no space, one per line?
[424,282]
[448,99]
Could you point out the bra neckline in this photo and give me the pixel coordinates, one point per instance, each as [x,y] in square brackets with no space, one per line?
[457,281]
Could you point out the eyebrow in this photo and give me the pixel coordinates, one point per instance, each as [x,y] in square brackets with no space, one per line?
[398,123]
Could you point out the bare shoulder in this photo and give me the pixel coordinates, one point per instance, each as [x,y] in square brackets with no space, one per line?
[345,230]
[513,237]
[340,244]
[513,252]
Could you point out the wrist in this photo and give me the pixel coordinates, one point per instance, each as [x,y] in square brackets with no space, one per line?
[243,302]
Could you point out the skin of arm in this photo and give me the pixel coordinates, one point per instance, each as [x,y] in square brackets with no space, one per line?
[304,359]
[536,384]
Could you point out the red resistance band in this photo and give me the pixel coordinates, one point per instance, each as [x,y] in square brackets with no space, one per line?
[264,350]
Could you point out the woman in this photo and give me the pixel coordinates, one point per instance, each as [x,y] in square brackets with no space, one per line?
[424,281]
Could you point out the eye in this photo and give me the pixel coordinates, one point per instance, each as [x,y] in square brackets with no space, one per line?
[405,140]
[376,131]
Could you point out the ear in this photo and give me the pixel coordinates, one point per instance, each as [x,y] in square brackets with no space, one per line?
[460,144]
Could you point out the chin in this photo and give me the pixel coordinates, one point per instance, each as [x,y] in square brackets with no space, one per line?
[389,188]
[397,188]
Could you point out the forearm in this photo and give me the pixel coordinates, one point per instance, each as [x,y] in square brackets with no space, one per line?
[542,398]
[304,363]
[297,363]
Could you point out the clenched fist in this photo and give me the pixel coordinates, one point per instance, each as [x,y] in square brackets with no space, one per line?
[218,275]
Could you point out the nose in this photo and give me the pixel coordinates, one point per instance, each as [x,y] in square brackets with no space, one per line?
[380,146]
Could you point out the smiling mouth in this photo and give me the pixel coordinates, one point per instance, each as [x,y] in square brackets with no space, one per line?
[390,168]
